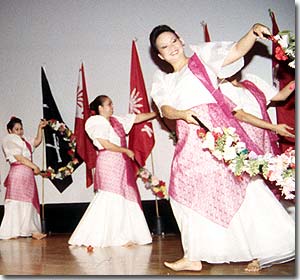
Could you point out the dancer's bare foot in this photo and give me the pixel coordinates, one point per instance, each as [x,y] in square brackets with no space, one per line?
[38,235]
[184,264]
[253,266]
[129,244]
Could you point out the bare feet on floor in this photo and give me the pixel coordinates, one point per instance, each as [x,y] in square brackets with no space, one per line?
[129,244]
[38,235]
[184,264]
[253,266]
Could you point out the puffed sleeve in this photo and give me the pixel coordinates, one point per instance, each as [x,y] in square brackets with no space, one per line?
[159,91]
[97,127]
[213,55]
[268,90]
[127,121]
[232,93]
[12,145]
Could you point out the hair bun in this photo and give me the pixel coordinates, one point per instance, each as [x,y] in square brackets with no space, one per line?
[13,117]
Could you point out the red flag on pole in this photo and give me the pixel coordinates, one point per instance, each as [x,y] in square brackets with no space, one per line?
[141,137]
[206,33]
[84,146]
[275,63]
[282,75]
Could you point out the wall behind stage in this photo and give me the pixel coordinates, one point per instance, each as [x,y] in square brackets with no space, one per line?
[59,35]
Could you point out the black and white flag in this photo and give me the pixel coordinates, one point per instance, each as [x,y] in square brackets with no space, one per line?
[57,149]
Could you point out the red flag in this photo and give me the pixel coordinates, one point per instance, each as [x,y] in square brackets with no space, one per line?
[282,75]
[206,33]
[141,137]
[84,147]
[275,63]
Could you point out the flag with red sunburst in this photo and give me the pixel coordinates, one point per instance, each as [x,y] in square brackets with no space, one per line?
[141,136]
[84,146]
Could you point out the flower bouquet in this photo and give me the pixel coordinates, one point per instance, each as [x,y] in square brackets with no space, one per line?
[226,146]
[70,138]
[158,187]
[285,50]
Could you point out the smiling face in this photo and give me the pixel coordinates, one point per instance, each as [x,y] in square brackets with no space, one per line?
[17,129]
[170,47]
[106,109]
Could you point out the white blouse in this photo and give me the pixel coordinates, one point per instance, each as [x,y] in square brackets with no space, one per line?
[99,127]
[12,145]
[182,90]
[244,99]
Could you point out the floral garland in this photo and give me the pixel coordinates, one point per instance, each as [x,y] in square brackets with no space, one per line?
[286,46]
[226,146]
[68,136]
[158,187]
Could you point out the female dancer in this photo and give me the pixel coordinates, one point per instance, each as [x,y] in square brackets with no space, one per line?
[221,219]
[21,207]
[114,216]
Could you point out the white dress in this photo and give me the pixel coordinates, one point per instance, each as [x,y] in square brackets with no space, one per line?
[245,99]
[110,219]
[20,217]
[261,228]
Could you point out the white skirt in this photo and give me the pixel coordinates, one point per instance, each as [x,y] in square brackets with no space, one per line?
[20,219]
[261,229]
[111,220]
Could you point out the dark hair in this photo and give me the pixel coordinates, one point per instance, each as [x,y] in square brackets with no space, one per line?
[13,120]
[156,32]
[99,100]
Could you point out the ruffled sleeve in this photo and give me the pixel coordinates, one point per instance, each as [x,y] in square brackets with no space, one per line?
[213,55]
[127,121]
[268,90]
[12,145]
[97,127]
[159,90]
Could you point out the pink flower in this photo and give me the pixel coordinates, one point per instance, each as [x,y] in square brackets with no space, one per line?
[154,181]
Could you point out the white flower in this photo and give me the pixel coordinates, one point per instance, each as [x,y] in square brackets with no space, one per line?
[209,142]
[292,64]
[229,141]
[217,154]
[240,146]
[252,155]
[154,181]
[284,41]
[229,153]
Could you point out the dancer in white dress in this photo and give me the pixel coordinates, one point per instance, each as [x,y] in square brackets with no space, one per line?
[251,98]
[21,208]
[114,216]
[221,218]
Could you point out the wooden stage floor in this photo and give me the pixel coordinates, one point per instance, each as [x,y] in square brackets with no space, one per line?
[53,256]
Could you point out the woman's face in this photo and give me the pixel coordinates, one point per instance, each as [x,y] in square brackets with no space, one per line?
[169,46]
[107,108]
[17,129]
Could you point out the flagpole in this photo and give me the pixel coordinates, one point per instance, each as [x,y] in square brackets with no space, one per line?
[156,202]
[43,186]
[158,221]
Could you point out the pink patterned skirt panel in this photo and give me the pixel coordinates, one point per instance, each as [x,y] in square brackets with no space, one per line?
[114,173]
[21,185]
[198,180]
[259,136]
